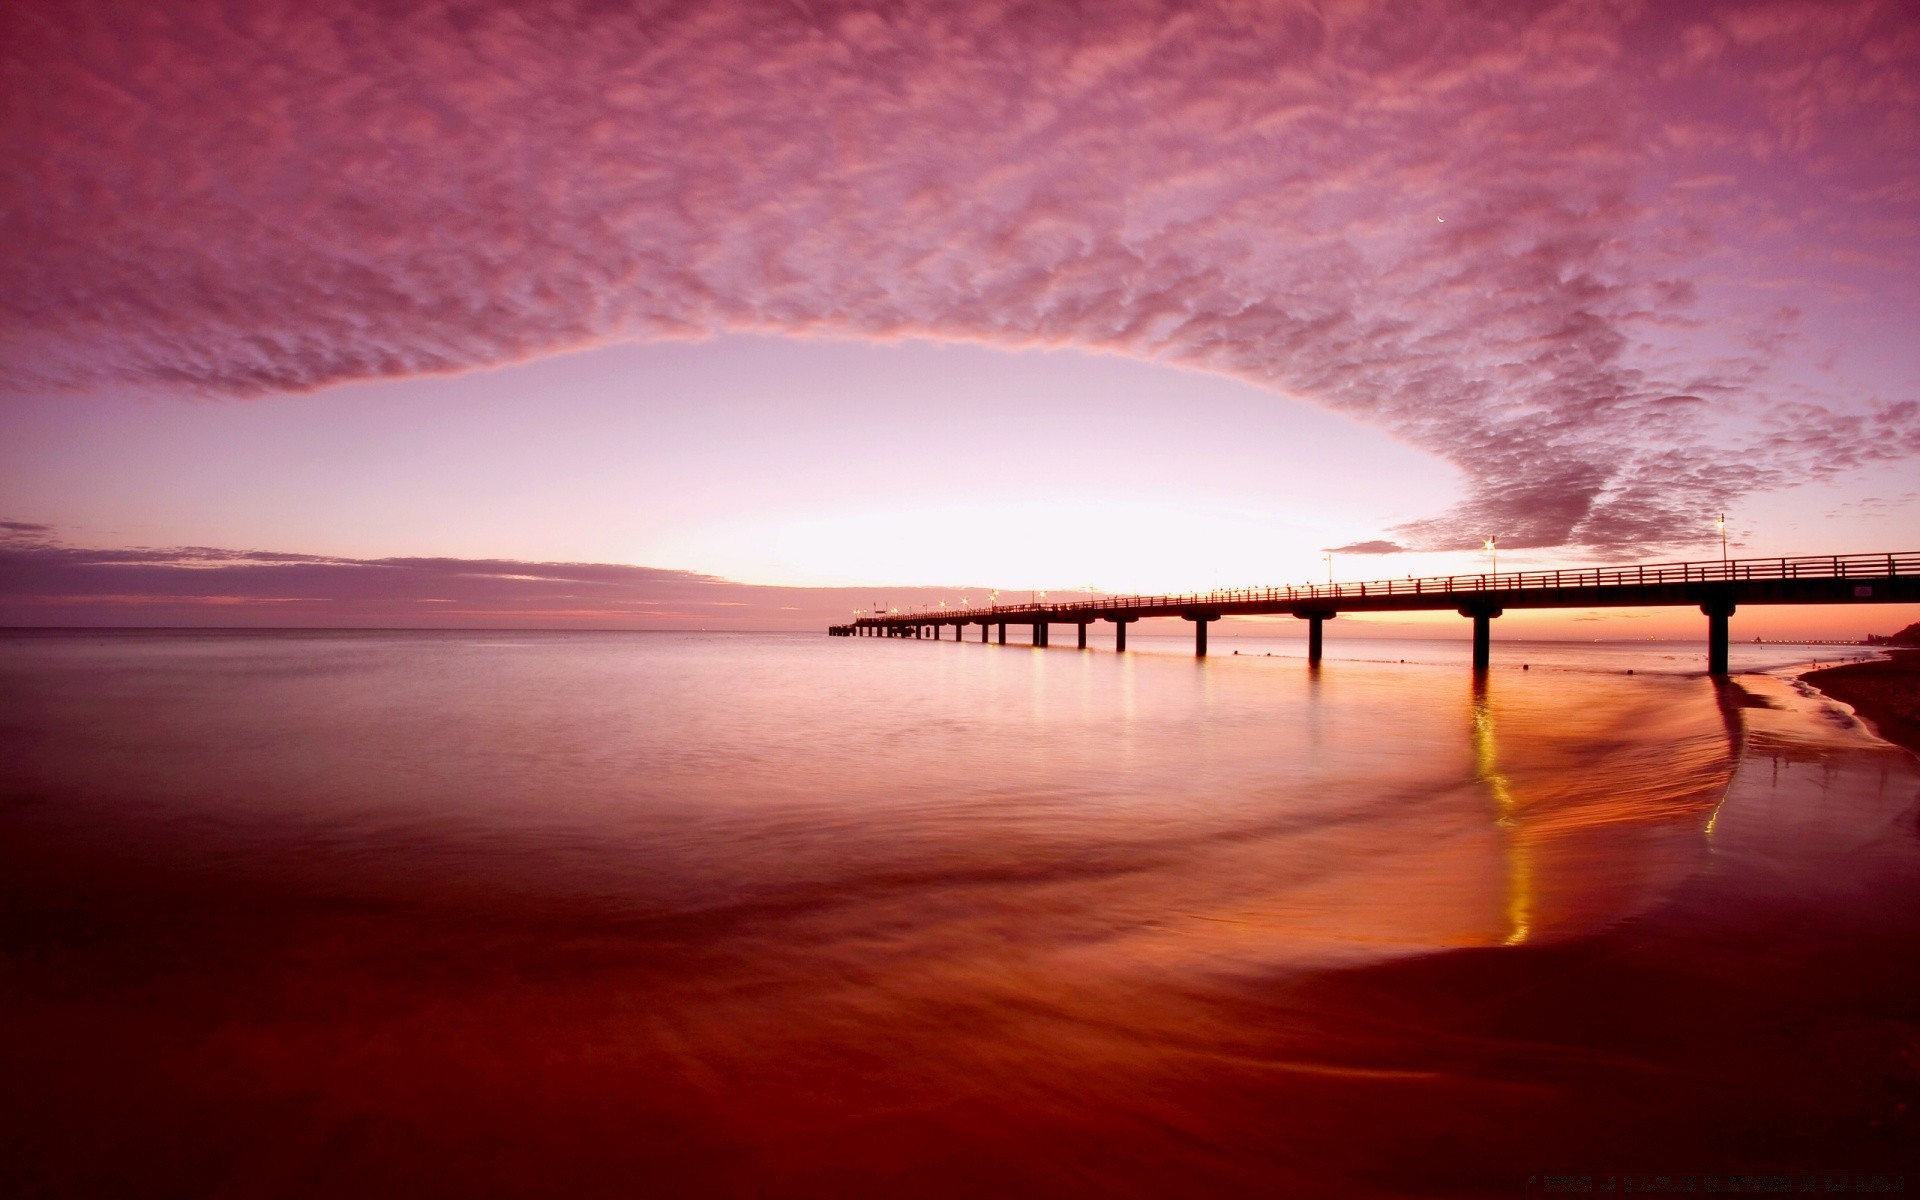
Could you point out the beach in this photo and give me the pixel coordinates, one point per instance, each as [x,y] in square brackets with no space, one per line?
[1884,692]
[491,915]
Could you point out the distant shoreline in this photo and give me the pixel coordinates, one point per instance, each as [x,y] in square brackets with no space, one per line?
[1886,692]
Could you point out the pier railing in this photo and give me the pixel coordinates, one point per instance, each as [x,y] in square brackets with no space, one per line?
[1824,566]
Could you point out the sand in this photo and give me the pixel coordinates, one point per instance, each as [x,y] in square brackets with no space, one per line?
[1886,693]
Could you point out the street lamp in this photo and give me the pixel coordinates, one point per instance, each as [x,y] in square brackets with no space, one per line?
[1329,557]
[1493,548]
[1721,525]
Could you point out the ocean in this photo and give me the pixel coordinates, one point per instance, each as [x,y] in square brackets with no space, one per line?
[509,913]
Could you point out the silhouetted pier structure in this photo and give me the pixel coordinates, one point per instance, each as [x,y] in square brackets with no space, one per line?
[1717,587]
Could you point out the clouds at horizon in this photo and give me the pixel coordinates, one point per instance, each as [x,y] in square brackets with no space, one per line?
[44,580]
[1578,250]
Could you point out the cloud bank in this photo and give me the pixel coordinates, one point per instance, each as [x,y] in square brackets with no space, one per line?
[45,581]
[1376,546]
[1527,237]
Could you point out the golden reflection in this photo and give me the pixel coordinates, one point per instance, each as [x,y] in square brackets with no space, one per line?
[1486,761]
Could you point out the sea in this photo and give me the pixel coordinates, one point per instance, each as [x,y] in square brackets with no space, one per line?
[330,913]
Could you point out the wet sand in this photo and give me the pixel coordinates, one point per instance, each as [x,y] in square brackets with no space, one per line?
[218,1025]
[1764,1022]
[1885,692]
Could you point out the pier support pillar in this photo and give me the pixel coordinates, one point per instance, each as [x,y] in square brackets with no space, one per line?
[1120,632]
[1717,612]
[1003,633]
[1482,634]
[1200,623]
[983,633]
[1039,633]
[1315,620]
[1083,634]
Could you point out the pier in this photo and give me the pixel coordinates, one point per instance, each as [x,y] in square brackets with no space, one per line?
[1718,588]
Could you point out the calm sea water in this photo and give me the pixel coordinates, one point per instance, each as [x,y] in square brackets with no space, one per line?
[501,913]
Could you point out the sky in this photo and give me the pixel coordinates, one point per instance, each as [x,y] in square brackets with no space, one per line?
[735,313]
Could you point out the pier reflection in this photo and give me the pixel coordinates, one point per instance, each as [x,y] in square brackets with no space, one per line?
[1519,854]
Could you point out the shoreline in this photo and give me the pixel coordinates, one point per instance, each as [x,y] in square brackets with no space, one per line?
[1885,693]
[1761,1019]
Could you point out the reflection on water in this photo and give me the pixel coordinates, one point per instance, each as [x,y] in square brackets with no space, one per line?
[742,914]
[1486,756]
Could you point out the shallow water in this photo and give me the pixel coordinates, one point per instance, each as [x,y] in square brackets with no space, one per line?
[516,913]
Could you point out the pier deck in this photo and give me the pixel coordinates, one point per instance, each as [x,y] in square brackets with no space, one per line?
[1717,587]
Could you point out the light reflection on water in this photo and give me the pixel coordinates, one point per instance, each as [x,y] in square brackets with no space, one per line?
[1239,811]
[761,886]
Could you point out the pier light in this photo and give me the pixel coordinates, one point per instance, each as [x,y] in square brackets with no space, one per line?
[1493,549]
[1720,523]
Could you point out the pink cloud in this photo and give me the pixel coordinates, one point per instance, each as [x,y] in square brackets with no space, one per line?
[1463,225]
